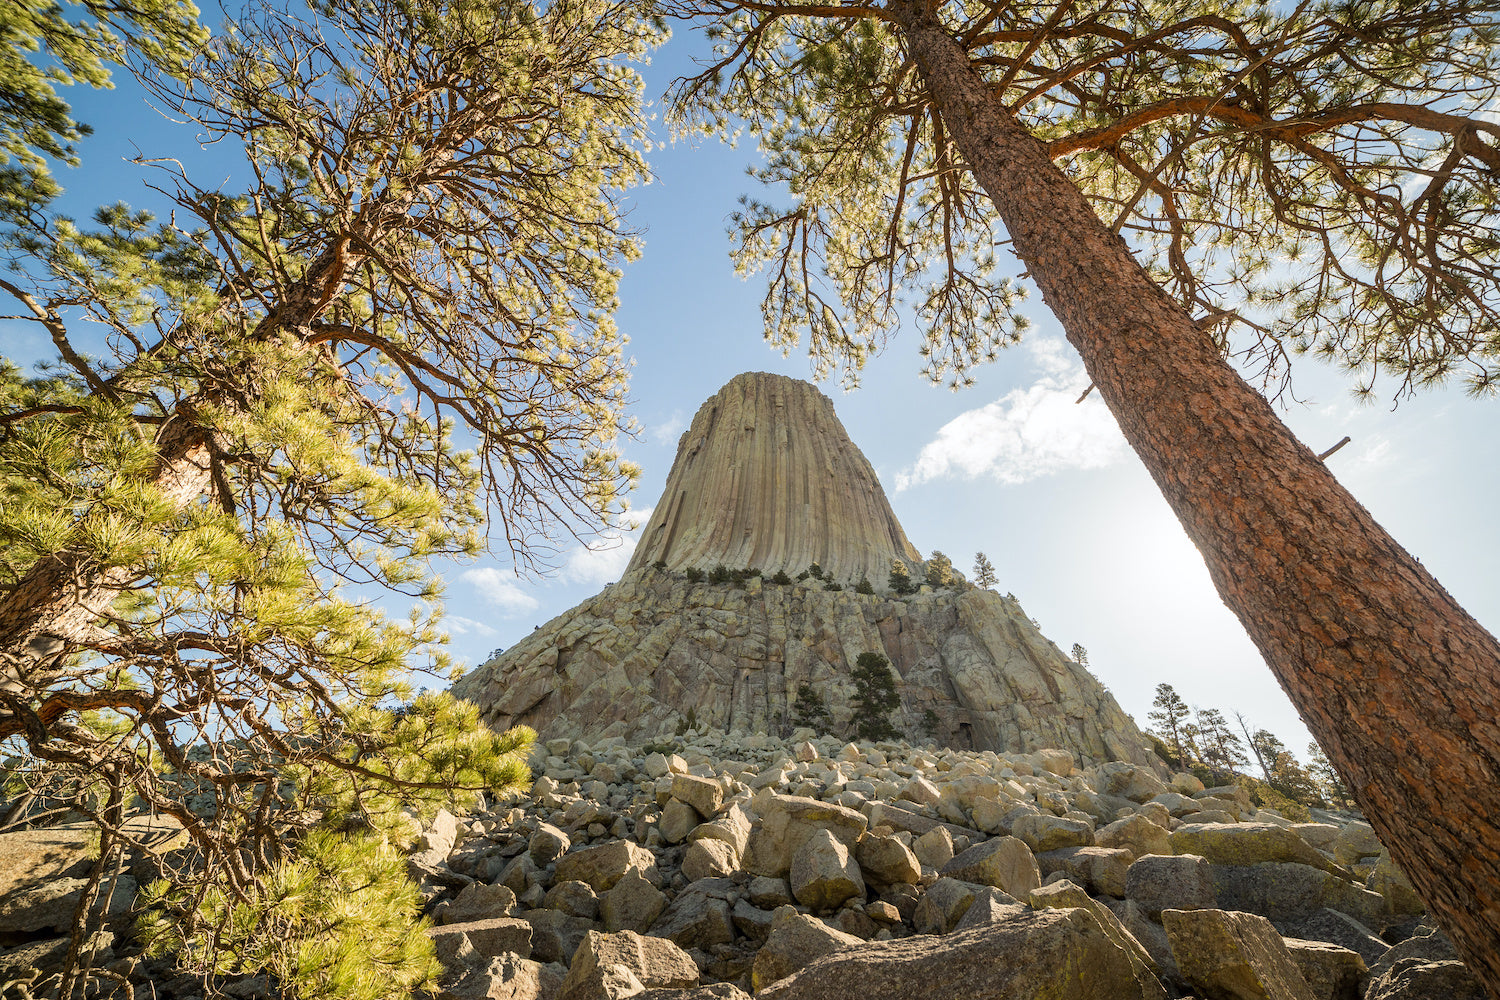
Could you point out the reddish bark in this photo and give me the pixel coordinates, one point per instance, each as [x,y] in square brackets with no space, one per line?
[1399,683]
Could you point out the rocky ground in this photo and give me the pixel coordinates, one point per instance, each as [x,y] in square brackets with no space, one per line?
[723,865]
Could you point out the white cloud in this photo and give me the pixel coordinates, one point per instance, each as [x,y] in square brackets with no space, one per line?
[459,625]
[1027,433]
[669,432]
[501,590]
[604,559]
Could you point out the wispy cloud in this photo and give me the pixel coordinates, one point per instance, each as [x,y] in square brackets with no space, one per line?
[501,590]
[459,625]
[667,433]
[604,559]
[1028,433]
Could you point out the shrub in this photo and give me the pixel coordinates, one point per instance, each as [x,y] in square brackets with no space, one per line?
[810,710]
[830,585]
[694,574]
[815,571]
[781,579]
[875,698]
[720,574]
[660,565]
[863,586]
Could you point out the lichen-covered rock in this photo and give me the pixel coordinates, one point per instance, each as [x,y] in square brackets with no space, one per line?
[1332,973]
[1065,895]
[653,962]
[787,821]
[709,859]
[1340,929]
[795,940]
[1036,956]
[886,860]
[1136,834]
[1287,894]
[824,874]
[1233,955]
[1161,882]
[604,865]
[1100,870]
[1003,862]
[1042,832]
[632,904]
[1246,844]
[699,916]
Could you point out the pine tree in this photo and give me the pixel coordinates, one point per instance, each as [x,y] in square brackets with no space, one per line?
[426,254]
[939,570]
[900,579]
[1168,717]
[1152,165]
[810,711]
[875,698]
[1080,655]
[984,572]
[1327,779]
[1222,750]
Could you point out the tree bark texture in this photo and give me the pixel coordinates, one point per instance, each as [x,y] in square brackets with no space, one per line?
[1399,683]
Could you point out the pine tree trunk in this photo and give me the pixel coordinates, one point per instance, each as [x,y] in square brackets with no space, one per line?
[1399,683]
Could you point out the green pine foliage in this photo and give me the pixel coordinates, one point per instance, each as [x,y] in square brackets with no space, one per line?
[900,581]
[781,579]
[875,698]
[940,570]
[810,711]
[984,572]
[864,586]
[336,917]
[396,334]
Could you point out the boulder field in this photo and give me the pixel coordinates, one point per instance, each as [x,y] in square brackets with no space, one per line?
[725,865]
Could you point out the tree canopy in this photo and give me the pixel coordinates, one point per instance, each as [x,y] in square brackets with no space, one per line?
[282,396]
[1309,179]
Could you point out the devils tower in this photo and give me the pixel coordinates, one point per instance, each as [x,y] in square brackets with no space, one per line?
[766,480]
[767,477]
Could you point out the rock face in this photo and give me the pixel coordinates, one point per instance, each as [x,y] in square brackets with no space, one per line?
[767,479]
[766,476]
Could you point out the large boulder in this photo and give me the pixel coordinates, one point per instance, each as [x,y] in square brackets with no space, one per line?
[1057,953]
[824,874]
[1063,895]
[1171,882]
[1337,928]
[795,940]
[555,935]
[1100,870]
[1003,862]
[709,858]
[1136,834]
[653,962]
[700,915]
[505,977]
[1045,832]
[886,860]
[1128,781]
[704,794]
[947,901]
[633,904]
[487,938]
[1233,956]
[1247,844]
[1417,980]
[478,902]
[787,821]
[1332,973]
[1288,893]
[602,866]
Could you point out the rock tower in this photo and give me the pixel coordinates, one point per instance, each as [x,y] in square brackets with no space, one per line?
[767,479]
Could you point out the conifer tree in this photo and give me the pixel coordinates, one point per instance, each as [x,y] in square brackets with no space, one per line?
[1180,181]
[1168,717]
[899,580]
[875,698]
[984,572]
[1222,750]
[939,570]
[400,325]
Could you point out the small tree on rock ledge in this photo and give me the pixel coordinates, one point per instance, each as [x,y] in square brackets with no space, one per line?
[875,698]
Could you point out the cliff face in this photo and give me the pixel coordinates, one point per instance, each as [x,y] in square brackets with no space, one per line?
[766,477]
[634,660]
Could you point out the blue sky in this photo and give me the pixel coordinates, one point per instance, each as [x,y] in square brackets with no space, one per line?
[1011,467]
